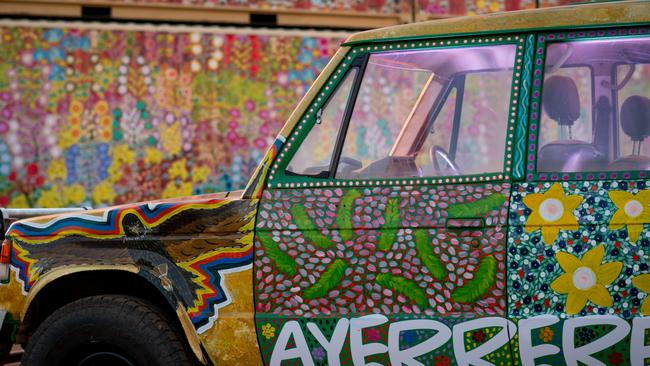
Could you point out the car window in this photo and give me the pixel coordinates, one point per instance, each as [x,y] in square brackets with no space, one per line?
[479,143]
[315,153]
[581,128]
[637,84]
[411,118]
[596,106]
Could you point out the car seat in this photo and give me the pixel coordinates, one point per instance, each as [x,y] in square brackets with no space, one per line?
[635,122]
[561,102]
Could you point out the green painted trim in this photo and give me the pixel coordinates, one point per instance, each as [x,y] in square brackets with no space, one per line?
[521,129]
[278,178]
[537,93]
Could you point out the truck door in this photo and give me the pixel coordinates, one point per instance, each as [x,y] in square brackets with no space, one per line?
[381,234]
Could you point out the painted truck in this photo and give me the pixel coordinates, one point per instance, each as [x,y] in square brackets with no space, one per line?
[470,191]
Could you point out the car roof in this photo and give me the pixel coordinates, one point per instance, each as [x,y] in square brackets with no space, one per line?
[584,15]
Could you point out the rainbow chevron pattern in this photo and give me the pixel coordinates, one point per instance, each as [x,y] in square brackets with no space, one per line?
[204,270]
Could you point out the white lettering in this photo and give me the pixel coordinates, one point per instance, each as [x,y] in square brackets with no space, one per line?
[359,350]
[407,356]
[301,351]
[334,346]
[583,354]
[475,355]
[639,352]
[527,352]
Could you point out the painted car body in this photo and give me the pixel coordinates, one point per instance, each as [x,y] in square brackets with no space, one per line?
[513,266]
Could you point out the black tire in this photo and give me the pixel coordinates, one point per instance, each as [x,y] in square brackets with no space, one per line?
[107,330]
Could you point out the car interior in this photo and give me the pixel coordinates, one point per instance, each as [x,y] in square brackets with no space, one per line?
[619,116]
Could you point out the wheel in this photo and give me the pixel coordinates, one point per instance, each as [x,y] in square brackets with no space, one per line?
[107,330]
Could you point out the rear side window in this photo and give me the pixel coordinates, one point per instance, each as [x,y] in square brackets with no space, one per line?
[595,106]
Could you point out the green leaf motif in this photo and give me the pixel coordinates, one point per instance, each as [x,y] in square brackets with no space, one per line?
[308,229]
[409,288]
[330,278]
[344,214]
[483,280]
[283,261]
[391,225]
[477,208]
[428,258]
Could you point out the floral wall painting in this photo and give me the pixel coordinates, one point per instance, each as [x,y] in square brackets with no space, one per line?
[357,6]
[107,114]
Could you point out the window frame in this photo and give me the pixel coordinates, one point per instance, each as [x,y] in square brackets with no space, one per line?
[543,40]
[360,54]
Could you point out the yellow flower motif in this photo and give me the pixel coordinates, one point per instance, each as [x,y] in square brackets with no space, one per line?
[552,211]
[178,170]
[50,198]
[185,189]
[632,210]
[105,122]
[546,334]
[153,156]
[171,138]
[74,121]
[268,331]
[57,170]
[122,154]
[18,201]
[103,193]
[76,107]
[585,279]
[74,194]
[115,171]
[642,282]
[200,174]
[101,108]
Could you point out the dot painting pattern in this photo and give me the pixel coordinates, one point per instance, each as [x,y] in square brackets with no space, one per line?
[382,250]
[533,263]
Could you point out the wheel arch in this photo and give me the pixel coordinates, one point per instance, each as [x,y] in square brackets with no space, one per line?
[63,286]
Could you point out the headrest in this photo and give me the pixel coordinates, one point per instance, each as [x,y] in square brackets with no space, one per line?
[635,117]
[561,100]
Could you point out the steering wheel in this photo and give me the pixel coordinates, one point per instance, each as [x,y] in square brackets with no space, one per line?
[437,151]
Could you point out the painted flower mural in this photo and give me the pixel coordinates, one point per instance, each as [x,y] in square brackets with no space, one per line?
[360,6]
[632,212]
[552,212]
[585,279]
[100,116]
